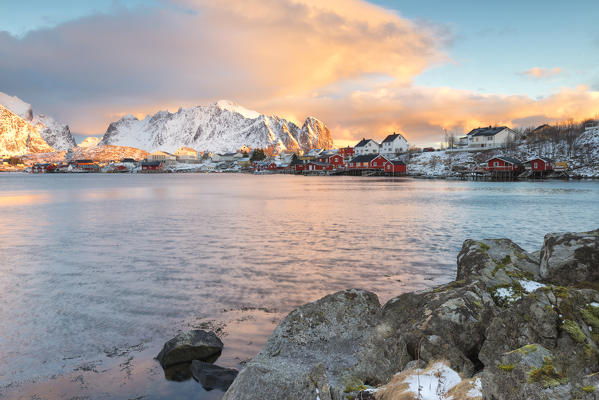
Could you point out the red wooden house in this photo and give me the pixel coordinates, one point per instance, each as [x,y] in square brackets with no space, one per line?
[379,162]
[346,152]
[540,164]
[497,164]
[361,162]
[43,168]
[395,167]
[151,166]
[317,166]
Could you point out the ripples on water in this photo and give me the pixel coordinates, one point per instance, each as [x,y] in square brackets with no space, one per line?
[97,271]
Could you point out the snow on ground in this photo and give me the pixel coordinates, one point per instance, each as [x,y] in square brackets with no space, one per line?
[582,158]
[436,382]
[530,286]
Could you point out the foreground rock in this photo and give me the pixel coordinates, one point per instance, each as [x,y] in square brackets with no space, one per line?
[212,376]
[324,349]
[569,258]
[189,346]
[509,323]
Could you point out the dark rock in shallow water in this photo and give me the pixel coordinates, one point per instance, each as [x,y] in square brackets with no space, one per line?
[212,376]
[571,258]
[178,372]
[189,346]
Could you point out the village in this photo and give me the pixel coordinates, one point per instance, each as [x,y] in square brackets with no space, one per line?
[483,154]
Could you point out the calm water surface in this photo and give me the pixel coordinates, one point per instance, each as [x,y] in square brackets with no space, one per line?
[97,271]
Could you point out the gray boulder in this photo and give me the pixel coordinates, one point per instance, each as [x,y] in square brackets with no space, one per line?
[447,322]
[189,346]
[570,258]
[212,376]
[495,262]
[332,346]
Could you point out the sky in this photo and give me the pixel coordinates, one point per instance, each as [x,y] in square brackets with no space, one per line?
[364,68]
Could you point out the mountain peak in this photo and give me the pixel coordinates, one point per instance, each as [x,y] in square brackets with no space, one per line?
[234,107]
[223,126]
[56,135]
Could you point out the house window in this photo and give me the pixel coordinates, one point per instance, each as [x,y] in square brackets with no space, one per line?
[490,138]
[536,165]
[496,164]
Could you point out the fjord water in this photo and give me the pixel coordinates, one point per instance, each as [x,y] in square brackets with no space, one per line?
[97,271]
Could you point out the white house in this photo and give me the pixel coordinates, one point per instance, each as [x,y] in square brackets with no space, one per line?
[393,145]
[161,156]
[490,137]
[366,146]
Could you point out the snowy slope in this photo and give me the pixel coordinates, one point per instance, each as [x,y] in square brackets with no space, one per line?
[220,127]
[18,136]
[55,134]
[90,141]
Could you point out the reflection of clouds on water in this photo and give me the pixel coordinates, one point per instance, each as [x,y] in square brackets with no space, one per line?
[99,262]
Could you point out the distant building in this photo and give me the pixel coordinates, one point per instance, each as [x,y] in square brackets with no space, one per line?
[361,161]
[395,167]
[346,152]
[498,164]
[186,154]
[539,164]
[161,156]
[366,146]
[151,166]
[490,137]
[394,144]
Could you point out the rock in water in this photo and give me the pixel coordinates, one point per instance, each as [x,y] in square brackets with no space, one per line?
[323,349]
[568,258]
[212,376]
[189,346]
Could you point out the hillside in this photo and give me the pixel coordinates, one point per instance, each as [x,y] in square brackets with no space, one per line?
[582,157]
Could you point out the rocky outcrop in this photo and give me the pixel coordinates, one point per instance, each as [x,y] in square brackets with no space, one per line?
[570,257]
[189,346]
[509,324]
[326,348]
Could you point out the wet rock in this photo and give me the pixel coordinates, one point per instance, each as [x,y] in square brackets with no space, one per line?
[212,376]
[570,258]
[334,345]
[447,322]
[189,346]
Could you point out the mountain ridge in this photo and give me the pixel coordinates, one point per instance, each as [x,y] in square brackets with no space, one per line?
[223,126]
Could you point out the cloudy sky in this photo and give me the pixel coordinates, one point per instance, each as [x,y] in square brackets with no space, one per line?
[364,68]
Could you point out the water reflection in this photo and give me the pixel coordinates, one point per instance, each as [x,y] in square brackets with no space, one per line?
[102,262]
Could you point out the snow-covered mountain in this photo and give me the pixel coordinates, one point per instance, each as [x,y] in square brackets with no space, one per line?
[18,136]
[90,141]
[219,127]
[55,134]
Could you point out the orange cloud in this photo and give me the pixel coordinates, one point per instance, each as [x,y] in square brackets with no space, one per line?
[541,73]
[346,62]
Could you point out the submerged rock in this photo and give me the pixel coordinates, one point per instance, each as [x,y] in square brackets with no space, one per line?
[189,346]
[212,376]
[571,258]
